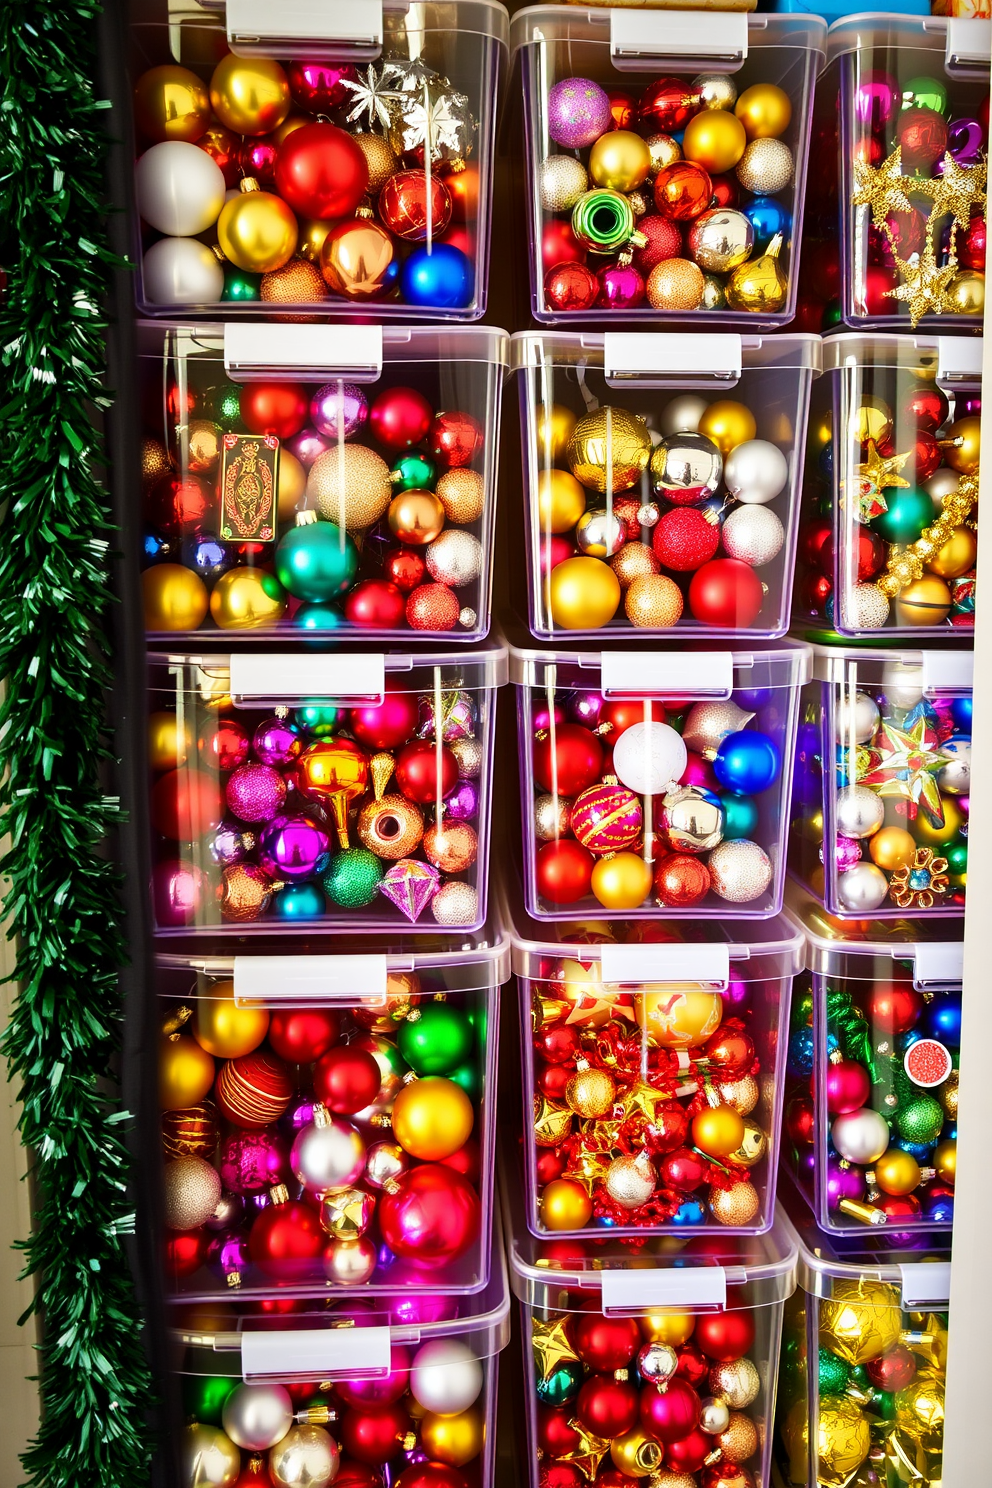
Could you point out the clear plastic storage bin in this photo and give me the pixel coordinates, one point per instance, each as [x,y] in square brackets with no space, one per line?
[888,535]
[336,791]
[381,210]
[406,1387]
[328,1118]
[872,1074]
[655,783]
[665,162]
[900,94]
[881,789]
[864,1354]
[661,480]
[652,1358]
[653,1075]
[315,480]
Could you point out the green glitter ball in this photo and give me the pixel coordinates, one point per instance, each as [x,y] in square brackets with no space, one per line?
[921,1120]
[469,1077]
[204,1396]
[435,1039]
[835,1375]
[353,879]
[413,471]
[241,287]
[224,403]
[802,1011]
[561,1385]
[319,719]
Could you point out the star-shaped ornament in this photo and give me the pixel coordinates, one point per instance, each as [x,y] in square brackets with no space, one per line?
[883,470]
[590,1451]
[909,763]
[958,190]
[589,1168]
[925,282]
[882,188]
[372,98]
[551,1346]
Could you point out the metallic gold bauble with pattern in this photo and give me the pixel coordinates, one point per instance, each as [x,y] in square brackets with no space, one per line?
[680,1017]
[609,449]
[391,827]
[350,486]
[155,462]
[920,1410]
[191,1190]
[203,446]
[190,1131]
[653,602]
[379,158]
[590,1092]
[742,1094]
[860,1320]
[462,493]
[453,846]
[765,167]
[634,560]
[631,1180]
[738,1383]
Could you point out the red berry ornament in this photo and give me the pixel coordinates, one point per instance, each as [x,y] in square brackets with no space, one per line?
[400,418]
[564,871]
[321,172]
[346,1079]
[726,593]
[570,758]
[605,1343]
[684,539]
[279,408]
[725,1336]
[423,772]
[301,1035]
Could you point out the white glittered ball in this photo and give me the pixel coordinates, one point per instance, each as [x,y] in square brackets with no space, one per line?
[648,757]
[445,1377]
[755,472]
[864,607]
[179,188]
[860,812]
[630,1181]
[754,534]
[860,1136]
[181,271]
[563,181]
[455,903]
[740,870]
[862,888]
[765,167]
[455,558]
[858,715]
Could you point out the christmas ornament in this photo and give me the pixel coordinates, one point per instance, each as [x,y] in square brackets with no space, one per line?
[179,188]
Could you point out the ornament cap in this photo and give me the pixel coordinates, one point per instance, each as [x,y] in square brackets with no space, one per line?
[233,1279]
[316,1415]
[248,183]
[279,1194]
[305,518]
[321,1115]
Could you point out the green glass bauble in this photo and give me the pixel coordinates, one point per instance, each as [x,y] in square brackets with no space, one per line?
[835,1374]
[885,1403]
[832,315]
[909,512]
[319,719]
[562,1384]
[316,562]
[434,1038]
[224,403]
[740,816]
[924,92]
[469,1077]
[204,1396]
[921,1120]
[353,878]
[413,471]
[315,617]
[240,286]
[957,857]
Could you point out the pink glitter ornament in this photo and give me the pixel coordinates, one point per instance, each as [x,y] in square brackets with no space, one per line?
[256,793]
[253,1161]
[847,852]
[578,112]
[411,886]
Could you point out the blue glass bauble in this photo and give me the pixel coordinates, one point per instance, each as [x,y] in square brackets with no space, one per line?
[767,216]
[440,279]
[208,556]
[942,1019]
[747,762]
[689,1212]
[961,713]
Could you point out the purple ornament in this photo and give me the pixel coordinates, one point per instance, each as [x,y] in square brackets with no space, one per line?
[276,742]
[541,717]
[228,844]
[844,1183]
[253,1160]
[970,404]
[339,409]
[847,852]
[458,716]
[578,112]
[965,139]
[178,891]
[256,793]
[388,1387]
[463,803]
[230,1211]
[410,885]
[875,100]
[735,992]
[228,1254]
[585,708]
[307,445]
[621,287]
[298,1114]
[292,847]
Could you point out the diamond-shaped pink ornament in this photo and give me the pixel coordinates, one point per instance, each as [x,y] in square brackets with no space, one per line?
[411,885]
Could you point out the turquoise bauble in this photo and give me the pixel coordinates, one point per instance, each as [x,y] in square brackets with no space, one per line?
[318,719]
[740,816]
[316,562]
[240,286]
[353,879]
[909,512]
[413,471]
[562,1384]
[299,902]
[318,616]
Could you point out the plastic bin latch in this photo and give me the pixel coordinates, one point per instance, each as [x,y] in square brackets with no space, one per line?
[959,360]
[284,678]
[255,351]
[696,674]
[655,359]
[938,964]
[968,46]
[305,28]
[635,1290]
[315,1353]
[310,980]
[665,963]
[678,38]
[925,1284]
[947,672]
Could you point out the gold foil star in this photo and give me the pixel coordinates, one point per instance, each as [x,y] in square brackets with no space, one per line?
[883,187]
[640,1100]
[958,190]
[883,470]
[589,1168]
[551,1346]
[925,282]
[590,1451]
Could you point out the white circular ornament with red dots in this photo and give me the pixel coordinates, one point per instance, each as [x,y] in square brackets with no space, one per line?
[927,1063]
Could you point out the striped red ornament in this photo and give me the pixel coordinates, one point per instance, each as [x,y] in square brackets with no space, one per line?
[607,817]
[253,1090]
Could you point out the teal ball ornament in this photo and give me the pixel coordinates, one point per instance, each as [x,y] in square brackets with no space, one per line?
[561,1385]
[319,720]
[316,562]
[298,902]
[413,471]
[317,617]
[352,879]
[740,816]
[909,511]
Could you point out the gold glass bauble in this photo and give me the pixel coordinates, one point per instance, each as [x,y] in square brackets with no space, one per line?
[676,284]
[892,848]
[680,1017]
[256,230]
[896,1172]
[203,447]
[938,835]
[169,741]
[948,1094]
[920,1410]
[553,430]
[609,449]
[621,881]
[249,95]
[619,160]
[185,1072]
[416,517]
[843,1439]
[583,594]
[311,233]
[462,493]
[209,1457]
[289,126]
[155,461]
[246,599]
[350,486]
[354,258]
[379,158]
[175,598]
[561,500]
[860,1320]
[962,444]
[659,1325]
[714,139]
[717,1130]
[956,555]
[453,1439]
[432,1117]
[926,601]
[945,1160]
[728,423]
[664,151]
[223,1028]
[754,1145]
[590,1092]
[171,103]
[565,1205]
[636,1454]
[965,295]
[307,1456]
[291,485]
[760,285]
[764,110]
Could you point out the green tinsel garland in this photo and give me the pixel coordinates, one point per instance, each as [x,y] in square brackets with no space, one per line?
[62,903]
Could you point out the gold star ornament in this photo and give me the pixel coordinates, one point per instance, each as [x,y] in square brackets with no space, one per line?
[551,1346]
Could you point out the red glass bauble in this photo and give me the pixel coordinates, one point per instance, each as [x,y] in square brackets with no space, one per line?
[971,243]
[683,1169]
[561,1475]
[623,107]
[558,1043]
[223,147]
[179,506]
[321,172]
[612,1477]
[812,540]
[432,1216]
[354,1475]
[896,1207]
[666,105]
[725,1336]
[926,455]
[922,136]
[301,1035]
[559,245]
[569,758]
[605,1343]
[373,1435]
[893,1370]
[257,1475]
[404,568]
[185,1252]
[799,1118]
[257,158]
[809,314]
[570,286]
[693,1365]
[664,240]
[319,87]
[926,406]
[905,235]
[607,1406]
[432,607]
[671,1413]
[430,1475]
[180,403]
[893,1008]
[423,773]
[682,190]
[726,191]
[549,1164]
[726,593]
[186,803]
[681,880]
[878,281]
[346,1079]
[871,554]
[224,745]
[380,1389]
[848,1086]
[563,871]
[555,1436]
[376,604]
[616,717]
[814,591]
[689,1453]
[279,408]
[414,205]
[731,1051]
[400,417]
[455,439]
[388,724]
[684,539]
[285,1239]
[467,1161]
[668,1129]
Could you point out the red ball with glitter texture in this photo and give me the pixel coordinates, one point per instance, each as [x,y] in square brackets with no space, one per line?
[346,1079]
[682,190]
[570,758]
[179,506]
[433,607]
[922,135]
[570,286]
[455,439]
[607,1406]
[400,417]
[373,1435]
[186,803]
[279,408]
[423,772]
[666,105]
[681,880]
[301,1035]
[605,1343]
[684,539]
[725,1336]
[559,245]
[563,871]
[664,240]
[404,568]
[376,604]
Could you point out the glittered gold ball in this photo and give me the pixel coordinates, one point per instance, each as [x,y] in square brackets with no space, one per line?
[391,827]
[563,180]
[169,741]
[634,561]
[892,848]
[247,599]
[416,517]
[462,493]
[659,1325]
[310,241]
[742,1094]
[663,150]
[631,1180]
[737,1383]
[962,444]
[590,1092]
[753,1147]
[350,486]
[926,601]
[191,1190]
[675,284]
[920,1410]
[583,594]
[653,602]
[764,110]
[175,598]
[296,283]
[565,1205]
[965,295]
[860,1320]
[379,158]
[257,231]
[736,1205]
[619,160]
[291,485]
[765,167]
[609,449]
[249,95]
[245,893]
[728,423]
[154,461]
[621,881]
[190,1131]
[948,1094]
[223,1028]
[553,429]
[171,103]
[714,139]
[453,1439]
[452,847]
[561,500]
[956,555]
[740,1440]
[718,1130]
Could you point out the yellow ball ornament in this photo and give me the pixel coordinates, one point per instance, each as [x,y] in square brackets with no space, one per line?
[965,294]
[860,1320]
[873,419]
[621,881]
[680,1017]
[249,95]
[561,501]
[453,1439]
[175,598]
[565,1205]
[185,1072]
[256,230]
[224,1029]
[930,834]
[291,485]
[209,1457]
[956,555]
[718,1130]
[843,1439]
[609,449]
[432,1117]
[636,1454]
[897,1172]
[753,1146]
[583,594]
[962,445]
[728,423]
[169,741]
[920,1410]
[924,602]
[310,238]
[945,1159]
[658,1325]
[764,110]
[171,103]
[620,160]
[554,427]
[891,848]
[760,285]
[714,139]
[247,599]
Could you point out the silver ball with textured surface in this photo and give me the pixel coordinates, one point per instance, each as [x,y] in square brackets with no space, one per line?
[740,871]
[864,607]
[859,811]
[563,180]
[753,534]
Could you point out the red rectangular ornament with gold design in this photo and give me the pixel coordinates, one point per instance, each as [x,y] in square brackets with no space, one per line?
[249,474]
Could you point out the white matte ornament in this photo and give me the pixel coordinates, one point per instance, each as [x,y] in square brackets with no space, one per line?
[179,188]
[859,714]
[755,472]
[860,1136]
[257,1416]
[940,484]
[955,777]
[181,271]
[754,534]
[862,888]
[649,757]
[682,414]
[740,870]
[860,813]
[445,1377]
